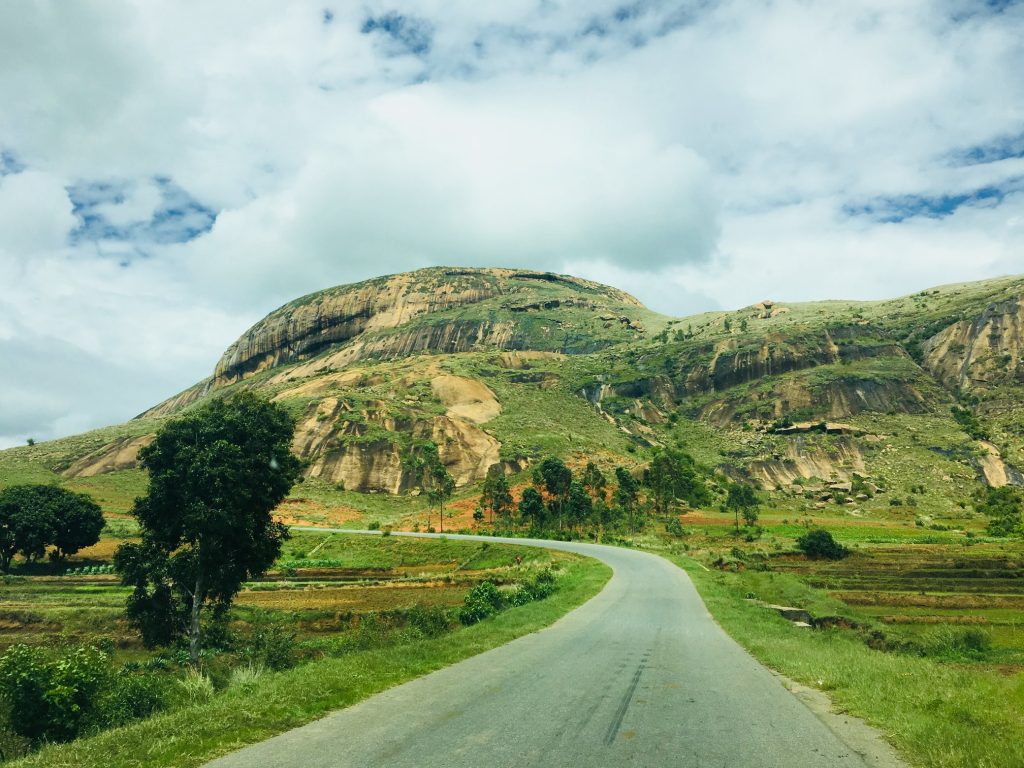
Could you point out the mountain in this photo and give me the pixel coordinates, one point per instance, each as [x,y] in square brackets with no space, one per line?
[891,402]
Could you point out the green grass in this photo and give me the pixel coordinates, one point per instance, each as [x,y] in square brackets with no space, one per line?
[285,700]
[373,552]
[938,715]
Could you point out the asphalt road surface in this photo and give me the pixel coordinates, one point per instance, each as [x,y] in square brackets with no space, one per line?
[638,676]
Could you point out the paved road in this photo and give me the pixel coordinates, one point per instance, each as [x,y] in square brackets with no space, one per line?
[638,676]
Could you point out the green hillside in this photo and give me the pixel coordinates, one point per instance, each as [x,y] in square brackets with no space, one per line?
[504,367]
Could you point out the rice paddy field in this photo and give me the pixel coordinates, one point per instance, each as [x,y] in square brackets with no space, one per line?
[324,587]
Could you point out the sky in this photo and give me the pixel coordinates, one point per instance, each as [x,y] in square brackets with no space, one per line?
[172,171]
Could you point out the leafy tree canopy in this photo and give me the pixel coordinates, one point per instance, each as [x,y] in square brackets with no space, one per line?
[34,517]
[215,476]
[673,475]
[818,544]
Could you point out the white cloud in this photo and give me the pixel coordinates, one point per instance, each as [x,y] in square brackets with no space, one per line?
[697,154]
[35,213]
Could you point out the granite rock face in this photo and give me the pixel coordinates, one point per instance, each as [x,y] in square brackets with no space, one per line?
[358,320]
[978,352]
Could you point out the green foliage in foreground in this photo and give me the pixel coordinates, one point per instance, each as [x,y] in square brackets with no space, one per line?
[273,703]
[938,715]
[57,697]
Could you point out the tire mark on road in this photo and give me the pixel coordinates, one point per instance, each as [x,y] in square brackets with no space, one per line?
[620,713]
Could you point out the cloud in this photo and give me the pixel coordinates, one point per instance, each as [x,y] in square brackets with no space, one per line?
[35,213]
[171,172]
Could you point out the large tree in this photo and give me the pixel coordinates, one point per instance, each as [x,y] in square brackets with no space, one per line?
[77,522]
[34,517]
[532,509]
[215,476]
[424,463]
[742,500]
[673,475]
[627,494]
[555,478]
[496,496]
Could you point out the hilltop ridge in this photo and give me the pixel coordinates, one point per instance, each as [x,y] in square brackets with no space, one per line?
[501,366]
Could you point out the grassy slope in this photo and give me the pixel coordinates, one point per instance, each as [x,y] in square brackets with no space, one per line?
[551,417]
[938,715]
[285,700]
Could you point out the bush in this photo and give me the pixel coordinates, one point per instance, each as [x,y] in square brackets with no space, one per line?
[270,646]
[131,696]
[429,622]
[52,699]
[673,527]
[956,643]
[482,601]
[818,544]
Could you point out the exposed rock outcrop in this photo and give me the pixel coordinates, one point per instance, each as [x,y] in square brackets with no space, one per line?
[994,471]
[363,450]
[121,454]
[335,317]
[466,399]
[979,352]
[836,462]
[837,399]
[724,364]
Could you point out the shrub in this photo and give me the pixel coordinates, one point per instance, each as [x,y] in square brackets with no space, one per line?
[674,528]
[818,544]
[429,622]
[52,699]
[131,696]
[270,645]
[543,584]
[956,642]
[482,601]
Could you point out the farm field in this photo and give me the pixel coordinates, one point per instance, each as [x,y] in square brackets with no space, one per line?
[323,586]
[918,631]
[329,597]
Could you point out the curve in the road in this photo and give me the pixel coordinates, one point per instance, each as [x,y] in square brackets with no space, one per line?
[640,675]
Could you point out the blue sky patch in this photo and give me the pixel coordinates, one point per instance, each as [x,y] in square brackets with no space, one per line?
[890,210]
[999,148]
[404,34]
[178,217]
[9,163]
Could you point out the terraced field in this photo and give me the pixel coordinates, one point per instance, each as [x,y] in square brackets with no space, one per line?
[324,587]
[921,591]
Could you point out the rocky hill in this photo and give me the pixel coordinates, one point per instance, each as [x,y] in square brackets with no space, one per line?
[864,403]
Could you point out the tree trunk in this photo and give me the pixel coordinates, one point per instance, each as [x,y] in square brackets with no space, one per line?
[193,630]
[440,513]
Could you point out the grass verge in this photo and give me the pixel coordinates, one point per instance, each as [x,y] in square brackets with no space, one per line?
[281,701]
[936,714]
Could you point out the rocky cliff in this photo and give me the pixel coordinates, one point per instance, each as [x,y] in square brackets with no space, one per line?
[499,367]
[980,351]
[358,321]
